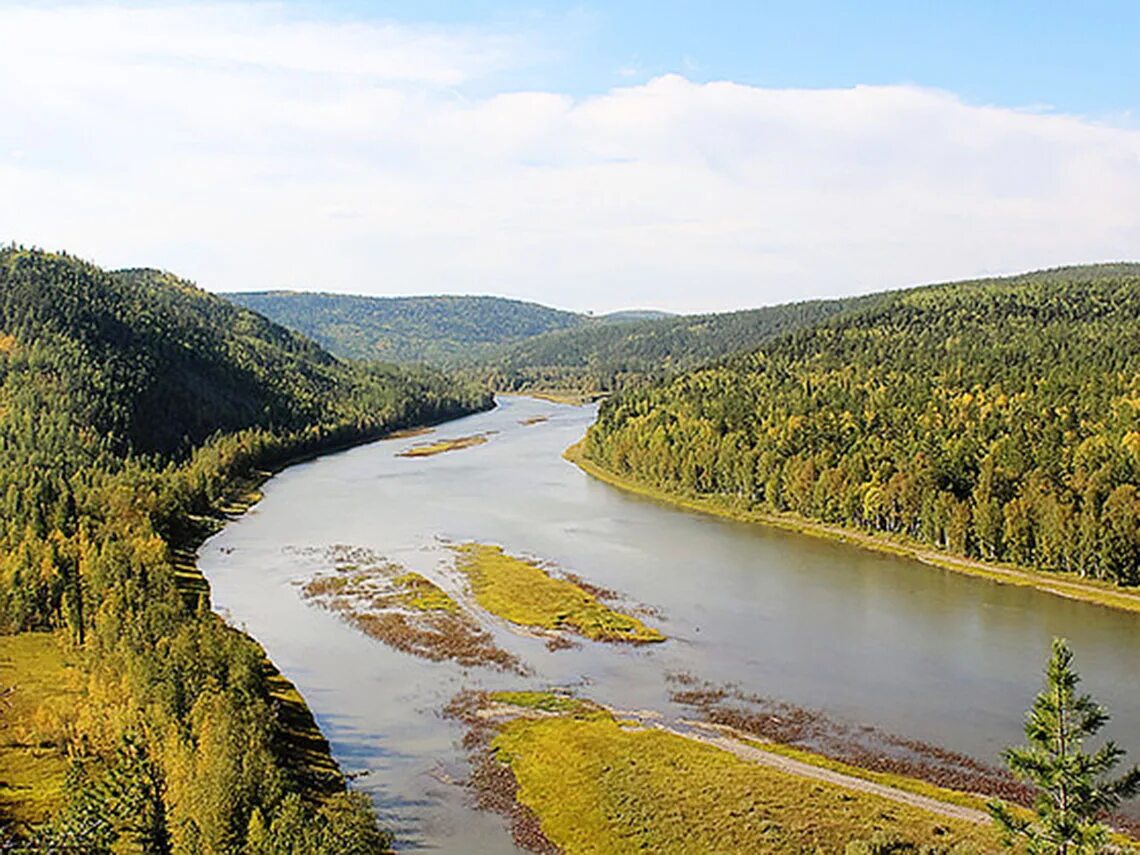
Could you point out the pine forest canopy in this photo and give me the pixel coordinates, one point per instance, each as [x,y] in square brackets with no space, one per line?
[998,419]
[130,403]
[609,357]
[441,330]
[518,346]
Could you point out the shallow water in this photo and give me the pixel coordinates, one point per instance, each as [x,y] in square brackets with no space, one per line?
[919,652]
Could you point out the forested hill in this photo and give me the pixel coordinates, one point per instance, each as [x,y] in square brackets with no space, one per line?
[443,330]
[998,419]
[519,346]
[130,404]
[155,364]
[607,357]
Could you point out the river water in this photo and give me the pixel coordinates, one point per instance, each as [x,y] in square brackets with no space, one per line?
[920,652]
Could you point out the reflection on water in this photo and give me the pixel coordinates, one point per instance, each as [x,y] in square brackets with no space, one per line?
[920,652]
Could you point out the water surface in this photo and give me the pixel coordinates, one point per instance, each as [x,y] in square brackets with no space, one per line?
[920,652]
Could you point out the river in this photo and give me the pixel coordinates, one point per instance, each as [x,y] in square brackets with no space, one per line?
[920,652]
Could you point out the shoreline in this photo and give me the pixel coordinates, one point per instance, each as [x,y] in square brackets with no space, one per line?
[1061,585]
[497,786]
[243,491]
[558,396]
[309,749]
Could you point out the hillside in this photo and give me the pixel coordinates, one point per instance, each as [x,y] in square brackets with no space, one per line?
[443,330]
[626,315]
[130,405]
[996,419]
[606,357]
[518,346]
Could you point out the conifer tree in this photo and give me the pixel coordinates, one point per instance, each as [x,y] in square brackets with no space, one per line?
[1073,791]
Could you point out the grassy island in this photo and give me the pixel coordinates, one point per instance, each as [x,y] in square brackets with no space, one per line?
[522,592]
[582,779]
[444,445]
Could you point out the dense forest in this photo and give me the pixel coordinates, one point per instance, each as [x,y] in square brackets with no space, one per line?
[516,346]
[130,403]
[996,419]
[608,357]
[441,331]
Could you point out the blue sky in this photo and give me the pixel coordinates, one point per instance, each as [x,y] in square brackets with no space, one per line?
[1070,56]
[590,156]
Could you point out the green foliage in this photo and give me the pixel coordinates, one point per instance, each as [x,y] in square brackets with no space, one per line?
[130,794]
[130,404]
[997,419]
[547,702]
[83,826]
[605,357]
[343,825]
[444,330]
[1073,793]
[519,346]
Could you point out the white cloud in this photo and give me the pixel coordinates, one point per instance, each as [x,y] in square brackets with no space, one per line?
[248,148]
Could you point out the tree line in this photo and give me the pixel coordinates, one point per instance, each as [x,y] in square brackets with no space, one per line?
[610,357]
[997,419]
[446,330]
[129,405]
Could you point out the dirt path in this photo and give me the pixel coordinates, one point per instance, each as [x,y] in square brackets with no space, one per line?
[721,738]
[712,735]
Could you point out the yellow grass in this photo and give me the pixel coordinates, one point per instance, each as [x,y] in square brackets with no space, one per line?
[887,779]
[418,592]
[443,445]
[523,593]
[548,702]
[599,787]
[407,433]
[32,771]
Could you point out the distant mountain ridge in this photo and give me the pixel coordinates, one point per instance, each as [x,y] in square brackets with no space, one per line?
[517,345]
[609,356]
[626,315]
[440,330]
[446,330]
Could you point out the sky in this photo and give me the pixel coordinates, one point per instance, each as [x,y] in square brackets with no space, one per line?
[591,156]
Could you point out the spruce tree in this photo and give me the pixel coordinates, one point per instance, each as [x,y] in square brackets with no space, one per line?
[1073,791]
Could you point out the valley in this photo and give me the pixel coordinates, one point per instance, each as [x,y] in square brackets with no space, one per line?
[446,619]
[571,429]
[816,634]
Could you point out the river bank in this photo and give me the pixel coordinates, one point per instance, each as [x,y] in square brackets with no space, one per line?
[569,397]
[834,640]
[300,737]
[1071,587]
[575,776]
